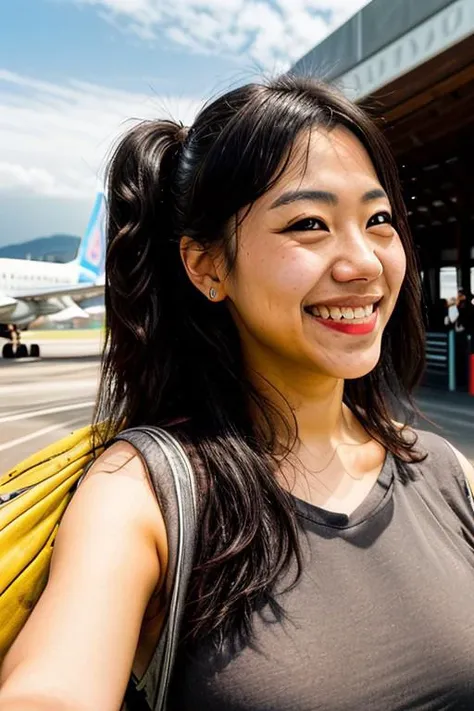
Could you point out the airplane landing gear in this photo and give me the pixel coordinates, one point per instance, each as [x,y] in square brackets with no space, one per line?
[8,351]
[21,351]
[16,349]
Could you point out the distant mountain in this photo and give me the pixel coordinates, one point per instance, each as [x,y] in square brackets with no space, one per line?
[57,248]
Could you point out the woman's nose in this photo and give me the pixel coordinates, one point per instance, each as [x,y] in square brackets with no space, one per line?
[358,261]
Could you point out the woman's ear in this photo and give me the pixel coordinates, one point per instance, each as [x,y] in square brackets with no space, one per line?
[202,268]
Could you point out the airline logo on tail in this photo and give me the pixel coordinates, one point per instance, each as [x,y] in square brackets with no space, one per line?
[91,257]
[95,253]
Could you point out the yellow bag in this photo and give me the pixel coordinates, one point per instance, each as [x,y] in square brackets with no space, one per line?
[33,498]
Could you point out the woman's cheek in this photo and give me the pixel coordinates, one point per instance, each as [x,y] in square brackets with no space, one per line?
[276,276]
[297,274]
[400,265]
[394,264]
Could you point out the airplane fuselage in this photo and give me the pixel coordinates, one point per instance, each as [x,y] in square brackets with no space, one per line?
[17,275]
[25,273]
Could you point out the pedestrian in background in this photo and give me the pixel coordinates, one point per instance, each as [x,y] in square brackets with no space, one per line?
[439,316]
[465,319]
[263,303]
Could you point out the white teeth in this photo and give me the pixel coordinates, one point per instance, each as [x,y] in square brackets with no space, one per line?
[336,313]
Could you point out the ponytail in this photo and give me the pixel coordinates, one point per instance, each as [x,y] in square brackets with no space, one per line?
[142,257]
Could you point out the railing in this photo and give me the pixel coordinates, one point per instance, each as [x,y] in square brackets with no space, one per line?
[440,360]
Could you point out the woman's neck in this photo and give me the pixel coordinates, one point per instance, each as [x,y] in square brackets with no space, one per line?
[314,401]
[333,462]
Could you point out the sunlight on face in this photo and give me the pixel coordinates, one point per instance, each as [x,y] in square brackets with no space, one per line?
[319,266]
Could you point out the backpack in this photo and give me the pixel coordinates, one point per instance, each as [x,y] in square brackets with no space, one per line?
[33,498]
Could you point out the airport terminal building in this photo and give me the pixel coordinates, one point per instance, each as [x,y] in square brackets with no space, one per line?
[411,63]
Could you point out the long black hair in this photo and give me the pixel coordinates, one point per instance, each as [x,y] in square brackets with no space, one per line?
[172,356]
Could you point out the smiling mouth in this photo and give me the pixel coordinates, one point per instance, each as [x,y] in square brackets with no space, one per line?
[353,320]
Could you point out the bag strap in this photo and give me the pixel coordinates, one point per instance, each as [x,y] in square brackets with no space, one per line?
[173,480]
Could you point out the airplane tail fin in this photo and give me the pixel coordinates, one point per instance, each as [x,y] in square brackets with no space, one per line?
[91,255]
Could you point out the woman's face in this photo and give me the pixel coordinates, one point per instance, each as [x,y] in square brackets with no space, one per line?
[319,266]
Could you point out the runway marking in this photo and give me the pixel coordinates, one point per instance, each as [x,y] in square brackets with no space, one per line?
[48,386]
[45,366]
[38,433]
[46,411]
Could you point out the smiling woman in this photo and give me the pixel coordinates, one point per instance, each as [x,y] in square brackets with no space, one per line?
[264,305]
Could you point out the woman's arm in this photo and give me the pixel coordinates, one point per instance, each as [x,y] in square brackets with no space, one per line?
[76,651]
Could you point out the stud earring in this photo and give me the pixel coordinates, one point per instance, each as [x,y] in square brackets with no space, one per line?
[212,293]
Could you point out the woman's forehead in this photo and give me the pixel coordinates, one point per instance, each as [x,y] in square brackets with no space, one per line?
[324,159]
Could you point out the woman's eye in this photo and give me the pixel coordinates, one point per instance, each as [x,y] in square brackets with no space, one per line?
[381,218]
[307,225]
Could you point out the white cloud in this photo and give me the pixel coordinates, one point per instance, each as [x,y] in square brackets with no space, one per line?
[54,138]
[37,180]
[273,33]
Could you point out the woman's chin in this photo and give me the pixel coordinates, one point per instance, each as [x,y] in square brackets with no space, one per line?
[356,373]
[350,366]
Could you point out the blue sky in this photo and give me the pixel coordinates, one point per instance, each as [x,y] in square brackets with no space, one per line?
[74,72]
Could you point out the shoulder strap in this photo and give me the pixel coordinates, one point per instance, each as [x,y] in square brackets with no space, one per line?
[172,476]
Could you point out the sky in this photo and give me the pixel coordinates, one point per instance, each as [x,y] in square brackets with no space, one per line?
[74,74]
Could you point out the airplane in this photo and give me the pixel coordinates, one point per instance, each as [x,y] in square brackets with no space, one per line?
[29,289]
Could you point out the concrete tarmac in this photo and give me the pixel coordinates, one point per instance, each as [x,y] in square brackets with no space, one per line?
[44,400]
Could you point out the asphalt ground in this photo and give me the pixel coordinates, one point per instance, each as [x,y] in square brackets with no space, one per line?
[44,400]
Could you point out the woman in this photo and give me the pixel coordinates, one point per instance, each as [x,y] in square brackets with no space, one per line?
[264,304]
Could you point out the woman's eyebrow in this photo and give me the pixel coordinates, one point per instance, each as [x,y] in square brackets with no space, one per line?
[323,196]
[375,194]
[312,195]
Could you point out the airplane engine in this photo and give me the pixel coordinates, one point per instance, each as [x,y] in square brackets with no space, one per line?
[21,313]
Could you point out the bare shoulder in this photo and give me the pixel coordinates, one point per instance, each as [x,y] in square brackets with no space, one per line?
[120,477]
[120,459]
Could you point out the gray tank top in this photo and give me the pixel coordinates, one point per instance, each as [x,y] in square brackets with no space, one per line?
[382,618]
